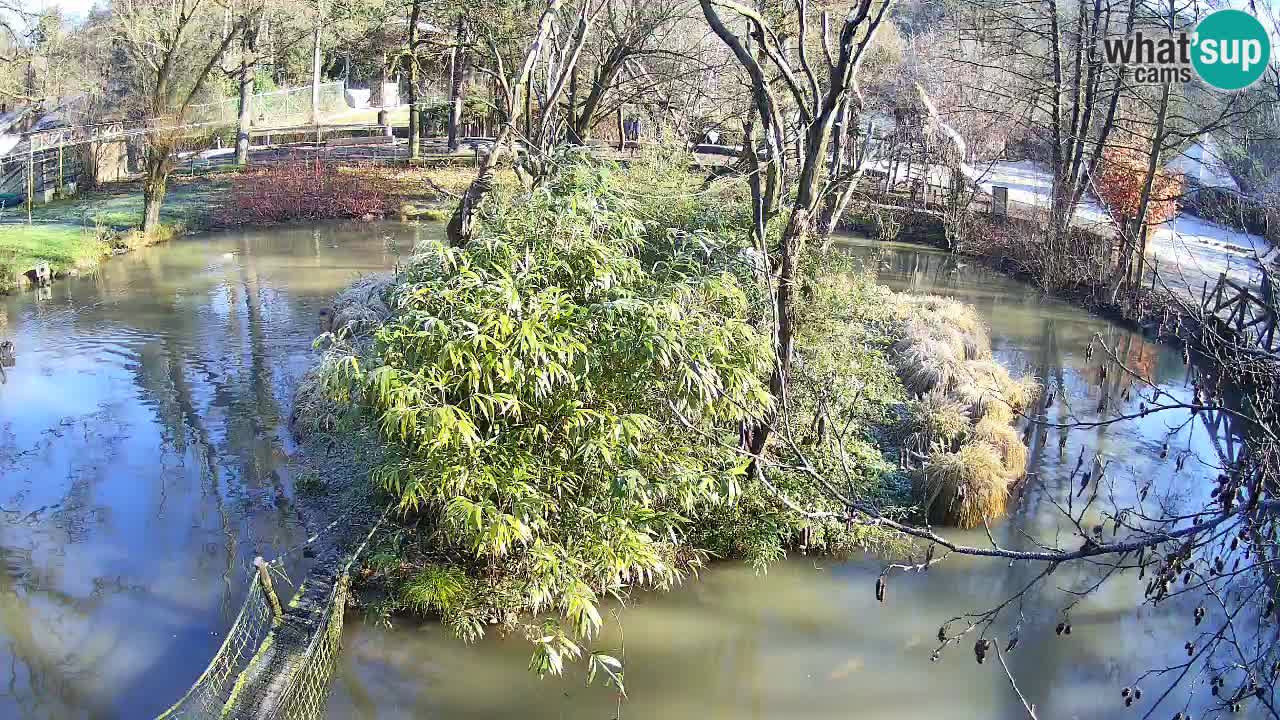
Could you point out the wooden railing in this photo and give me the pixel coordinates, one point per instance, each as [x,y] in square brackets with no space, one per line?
[1245,312]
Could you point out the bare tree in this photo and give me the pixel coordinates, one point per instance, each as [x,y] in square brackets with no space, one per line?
[173,47]
[409,59]
[459,78]
[247,71]
[820,89]
[630,30]
[555,47]
[15,49]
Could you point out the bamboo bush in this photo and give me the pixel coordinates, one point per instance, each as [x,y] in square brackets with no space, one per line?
[546,400]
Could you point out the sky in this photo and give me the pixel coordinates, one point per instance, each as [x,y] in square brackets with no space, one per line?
[70,8]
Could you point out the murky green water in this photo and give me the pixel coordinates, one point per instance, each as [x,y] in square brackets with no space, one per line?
[145,459]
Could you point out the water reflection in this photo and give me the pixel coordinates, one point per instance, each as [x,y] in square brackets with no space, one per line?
[809,638]
[144,459]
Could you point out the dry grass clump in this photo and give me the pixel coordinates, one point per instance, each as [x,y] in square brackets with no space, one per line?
[315,407]
[963,488]
[944,350]
[358,310]
[362,306]
[942,421]
[997,411]
[998,434]
[967,403]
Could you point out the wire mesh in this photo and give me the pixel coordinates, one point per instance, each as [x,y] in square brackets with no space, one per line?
[308,686]
[208,694]
[279,108]
[277,668]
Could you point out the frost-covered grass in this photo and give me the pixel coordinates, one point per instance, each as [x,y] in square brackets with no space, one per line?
[967,402]
[64,247]
[119,207]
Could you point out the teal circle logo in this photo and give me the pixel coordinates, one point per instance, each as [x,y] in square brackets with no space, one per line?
[1231,49]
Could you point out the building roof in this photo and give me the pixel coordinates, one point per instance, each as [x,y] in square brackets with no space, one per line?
[1201,163]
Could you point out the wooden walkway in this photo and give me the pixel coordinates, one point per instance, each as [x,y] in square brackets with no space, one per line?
[1251,317]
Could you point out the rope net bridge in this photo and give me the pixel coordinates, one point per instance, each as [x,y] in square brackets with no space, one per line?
[277,660]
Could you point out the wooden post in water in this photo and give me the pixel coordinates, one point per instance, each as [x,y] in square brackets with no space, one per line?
[264,574]
[999,202]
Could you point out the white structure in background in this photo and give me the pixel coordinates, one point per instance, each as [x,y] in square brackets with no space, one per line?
[1201,164]
[390,94]
[358,97]
[367,98]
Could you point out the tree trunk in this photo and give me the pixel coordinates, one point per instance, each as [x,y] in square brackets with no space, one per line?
[154,184]
[415,130]
[462,222]
[622,132]
[575,136]
[842,184]
[584,116]
[248,68]
[415,118]
[457,73]
[1133,235]
[528,112]
[315,72]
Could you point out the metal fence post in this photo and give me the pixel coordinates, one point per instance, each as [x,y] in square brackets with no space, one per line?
[264,574]
[31,178]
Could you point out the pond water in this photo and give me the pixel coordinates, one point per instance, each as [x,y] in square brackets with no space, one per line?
[145,460]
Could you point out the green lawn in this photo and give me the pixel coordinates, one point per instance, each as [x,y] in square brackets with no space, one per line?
[63,246]
[66,233]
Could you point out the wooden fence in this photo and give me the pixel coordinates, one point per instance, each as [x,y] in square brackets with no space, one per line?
[1244,311]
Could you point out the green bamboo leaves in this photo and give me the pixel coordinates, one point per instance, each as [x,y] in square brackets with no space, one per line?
[527,391]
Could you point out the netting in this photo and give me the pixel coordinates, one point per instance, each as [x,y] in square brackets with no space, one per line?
[278,663]
[279,108]
[208,694]
[307,687]
[273,667]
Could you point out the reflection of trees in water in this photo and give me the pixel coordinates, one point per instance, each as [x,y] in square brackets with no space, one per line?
[211,381]
[249,429]
[48,669]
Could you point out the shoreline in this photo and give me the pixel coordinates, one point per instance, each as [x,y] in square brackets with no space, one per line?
[77,235]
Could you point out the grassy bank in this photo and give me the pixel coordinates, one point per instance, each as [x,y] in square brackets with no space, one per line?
[74,235]
[66,248]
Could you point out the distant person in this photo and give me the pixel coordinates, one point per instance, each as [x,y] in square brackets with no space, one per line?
[633,134]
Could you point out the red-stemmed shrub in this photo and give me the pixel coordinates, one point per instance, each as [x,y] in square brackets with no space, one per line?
[298,191]
[1120,181]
